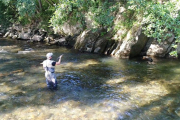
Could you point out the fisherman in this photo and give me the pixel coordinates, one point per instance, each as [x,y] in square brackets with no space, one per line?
[49,67]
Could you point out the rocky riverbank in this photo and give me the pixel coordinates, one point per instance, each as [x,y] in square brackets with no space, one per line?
[134,44]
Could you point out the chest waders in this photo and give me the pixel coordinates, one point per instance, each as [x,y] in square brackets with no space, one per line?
[50,74]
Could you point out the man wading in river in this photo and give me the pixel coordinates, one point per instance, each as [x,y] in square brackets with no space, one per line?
[49,67]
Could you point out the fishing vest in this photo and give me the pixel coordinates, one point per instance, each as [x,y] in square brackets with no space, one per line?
[47,65]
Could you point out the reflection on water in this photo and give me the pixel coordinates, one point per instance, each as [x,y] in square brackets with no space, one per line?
[90,86]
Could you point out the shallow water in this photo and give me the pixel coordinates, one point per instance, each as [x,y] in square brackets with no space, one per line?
[90,86]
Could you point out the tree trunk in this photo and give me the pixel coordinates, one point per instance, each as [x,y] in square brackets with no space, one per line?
[40,5]
[49,2]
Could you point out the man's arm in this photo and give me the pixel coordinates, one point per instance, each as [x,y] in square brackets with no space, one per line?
[59,62]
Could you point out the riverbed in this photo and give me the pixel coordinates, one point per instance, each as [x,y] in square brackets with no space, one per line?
[90,86]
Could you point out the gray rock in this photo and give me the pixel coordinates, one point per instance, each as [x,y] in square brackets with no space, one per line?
[28,50]
[3,51]
[132,44]
[86,41]
[24,36]
[160,49]
[37,38]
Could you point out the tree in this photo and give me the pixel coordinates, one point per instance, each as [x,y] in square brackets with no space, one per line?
[159,19]
[26,11]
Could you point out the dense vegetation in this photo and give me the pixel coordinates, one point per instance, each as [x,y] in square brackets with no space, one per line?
[159,19]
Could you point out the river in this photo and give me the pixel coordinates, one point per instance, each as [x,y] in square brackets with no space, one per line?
[90,86]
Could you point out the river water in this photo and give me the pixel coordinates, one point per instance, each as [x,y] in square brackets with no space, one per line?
[90,86]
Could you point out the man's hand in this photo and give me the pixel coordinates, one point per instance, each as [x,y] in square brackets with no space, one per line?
[60,56]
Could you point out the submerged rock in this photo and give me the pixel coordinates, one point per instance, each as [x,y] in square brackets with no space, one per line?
[26,51]
[3,51]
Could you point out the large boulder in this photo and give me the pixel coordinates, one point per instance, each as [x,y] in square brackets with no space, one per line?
[139,43]
[104,44]
[160,49]
[132,44]
[60,42]
[24,36]
[17,27]
[86,41]
[38,35]
[130,40]
[100,45]
[6,34]
[37,38]
[69,29]
[71,40]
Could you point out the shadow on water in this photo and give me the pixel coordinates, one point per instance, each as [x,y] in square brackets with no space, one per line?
[167,106]
[96,87]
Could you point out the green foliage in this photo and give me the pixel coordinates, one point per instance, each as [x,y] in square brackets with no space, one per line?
[6,2]
[65,10]
[6,14]
[25,7]
[127,21]
[102,15]
[43,16]
[26,11]
[102,33]
[160,21]
[174,53]
[73,11]
[13,11]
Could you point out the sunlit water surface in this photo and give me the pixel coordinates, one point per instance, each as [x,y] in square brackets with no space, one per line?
[90,86]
